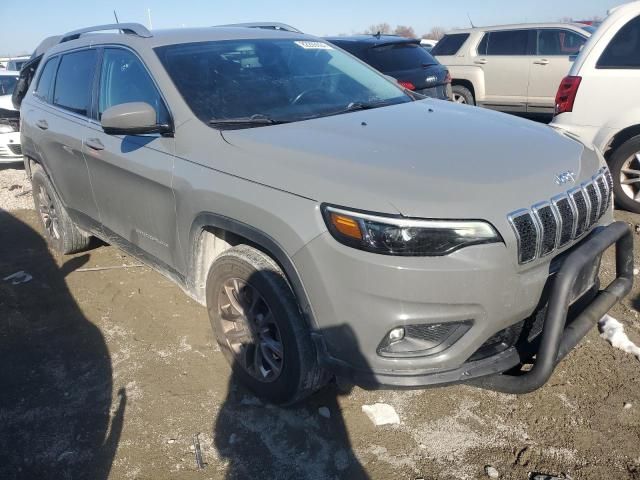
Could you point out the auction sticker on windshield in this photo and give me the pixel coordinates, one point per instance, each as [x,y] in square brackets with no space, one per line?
[314,45]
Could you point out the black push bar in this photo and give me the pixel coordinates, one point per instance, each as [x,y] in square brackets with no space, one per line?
[556,341]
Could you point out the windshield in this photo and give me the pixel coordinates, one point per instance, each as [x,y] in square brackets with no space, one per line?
[7,83]
[281,80]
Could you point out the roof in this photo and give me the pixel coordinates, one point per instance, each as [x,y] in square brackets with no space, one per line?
[372,40]
[520,26]
[158,38]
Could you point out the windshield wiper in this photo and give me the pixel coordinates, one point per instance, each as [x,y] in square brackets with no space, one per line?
[244,122]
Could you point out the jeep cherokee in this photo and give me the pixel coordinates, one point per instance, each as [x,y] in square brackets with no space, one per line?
[295,192]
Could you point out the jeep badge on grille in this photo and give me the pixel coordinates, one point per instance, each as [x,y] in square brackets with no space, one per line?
[565,177]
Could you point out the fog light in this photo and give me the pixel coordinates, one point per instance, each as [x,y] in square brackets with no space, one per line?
[396,334]
[422,340]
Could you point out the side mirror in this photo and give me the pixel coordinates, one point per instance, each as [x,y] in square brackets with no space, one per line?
[134,118]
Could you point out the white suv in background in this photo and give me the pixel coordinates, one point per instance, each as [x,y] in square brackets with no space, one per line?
[10,148]
[600,99]
[512,68]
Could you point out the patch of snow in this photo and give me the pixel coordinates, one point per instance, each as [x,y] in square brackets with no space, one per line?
[491,472]
[613,331]
[381,414]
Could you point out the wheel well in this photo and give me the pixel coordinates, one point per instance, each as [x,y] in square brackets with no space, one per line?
[464,83]
[620,138]
[213,234]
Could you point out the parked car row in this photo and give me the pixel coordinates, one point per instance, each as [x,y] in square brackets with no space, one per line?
[324,213]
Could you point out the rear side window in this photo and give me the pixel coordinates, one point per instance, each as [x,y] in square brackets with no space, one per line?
[450,44]
[508,42]
[43,90]
[624,49]
[559,42]
[399,56]
[74,81]
[125,79]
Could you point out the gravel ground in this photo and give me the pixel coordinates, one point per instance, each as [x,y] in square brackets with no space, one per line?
[111,373]
[15,188]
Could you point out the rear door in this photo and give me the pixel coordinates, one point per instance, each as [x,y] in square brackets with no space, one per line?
[131,174]
[55,121]
[555,51]
[504,57]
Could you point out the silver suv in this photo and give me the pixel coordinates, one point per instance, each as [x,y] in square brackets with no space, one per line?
[296,193]
[511,68]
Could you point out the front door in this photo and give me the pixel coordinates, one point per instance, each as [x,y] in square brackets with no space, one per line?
[131,174]
[503,57]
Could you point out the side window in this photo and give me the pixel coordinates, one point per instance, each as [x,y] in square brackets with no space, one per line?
[45,81]
[124,79]
[450,44]
[624,49]
[508,42]
[482,46]
[72,90]
[559,42]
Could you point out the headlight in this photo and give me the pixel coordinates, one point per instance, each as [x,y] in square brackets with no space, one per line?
[4,128]
[391,235]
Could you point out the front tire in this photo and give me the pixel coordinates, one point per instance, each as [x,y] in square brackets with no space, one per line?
[59,230]
[624,164]
[259,327]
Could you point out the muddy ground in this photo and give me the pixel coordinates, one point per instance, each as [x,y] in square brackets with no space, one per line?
[110,373]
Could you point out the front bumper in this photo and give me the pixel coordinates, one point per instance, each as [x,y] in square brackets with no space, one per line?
[391,293]
[10,148]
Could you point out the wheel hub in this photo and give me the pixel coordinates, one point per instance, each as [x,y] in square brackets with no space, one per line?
[630,177]
[250,331]
[48,213]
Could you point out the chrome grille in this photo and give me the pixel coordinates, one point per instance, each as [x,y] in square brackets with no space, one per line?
[548,226]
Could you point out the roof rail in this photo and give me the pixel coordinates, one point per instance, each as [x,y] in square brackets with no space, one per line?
[265,26]
[126,28]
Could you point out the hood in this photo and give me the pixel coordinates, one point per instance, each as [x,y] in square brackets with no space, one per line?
[428,159]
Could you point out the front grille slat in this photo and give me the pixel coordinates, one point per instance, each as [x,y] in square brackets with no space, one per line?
[548,226]
[16,148]
[526,234]
[579,201]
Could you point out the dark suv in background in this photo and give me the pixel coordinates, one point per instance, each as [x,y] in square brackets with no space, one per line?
[401,58]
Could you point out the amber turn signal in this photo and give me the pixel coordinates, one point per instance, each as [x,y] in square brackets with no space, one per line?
[346,226]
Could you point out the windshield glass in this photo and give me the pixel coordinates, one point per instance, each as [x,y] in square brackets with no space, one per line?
[281,80]
[7,83]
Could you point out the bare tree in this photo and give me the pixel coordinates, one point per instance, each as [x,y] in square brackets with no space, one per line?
[404,31]
[383,28]
[436,33]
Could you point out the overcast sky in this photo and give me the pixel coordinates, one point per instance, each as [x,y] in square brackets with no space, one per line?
[26,22]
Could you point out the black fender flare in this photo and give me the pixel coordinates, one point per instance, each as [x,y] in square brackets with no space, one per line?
[259,239]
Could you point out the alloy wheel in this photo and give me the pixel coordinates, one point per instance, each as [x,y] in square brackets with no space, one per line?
[630,177]
[250,330]
[457,98]
[48,213]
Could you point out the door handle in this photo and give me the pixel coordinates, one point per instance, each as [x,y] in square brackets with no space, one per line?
[481,61]
[94,144]
[542,61]
[42,124]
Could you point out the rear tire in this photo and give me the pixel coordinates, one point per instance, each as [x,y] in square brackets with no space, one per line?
[59,230]
[462,95]
[624,164]
[259,327]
